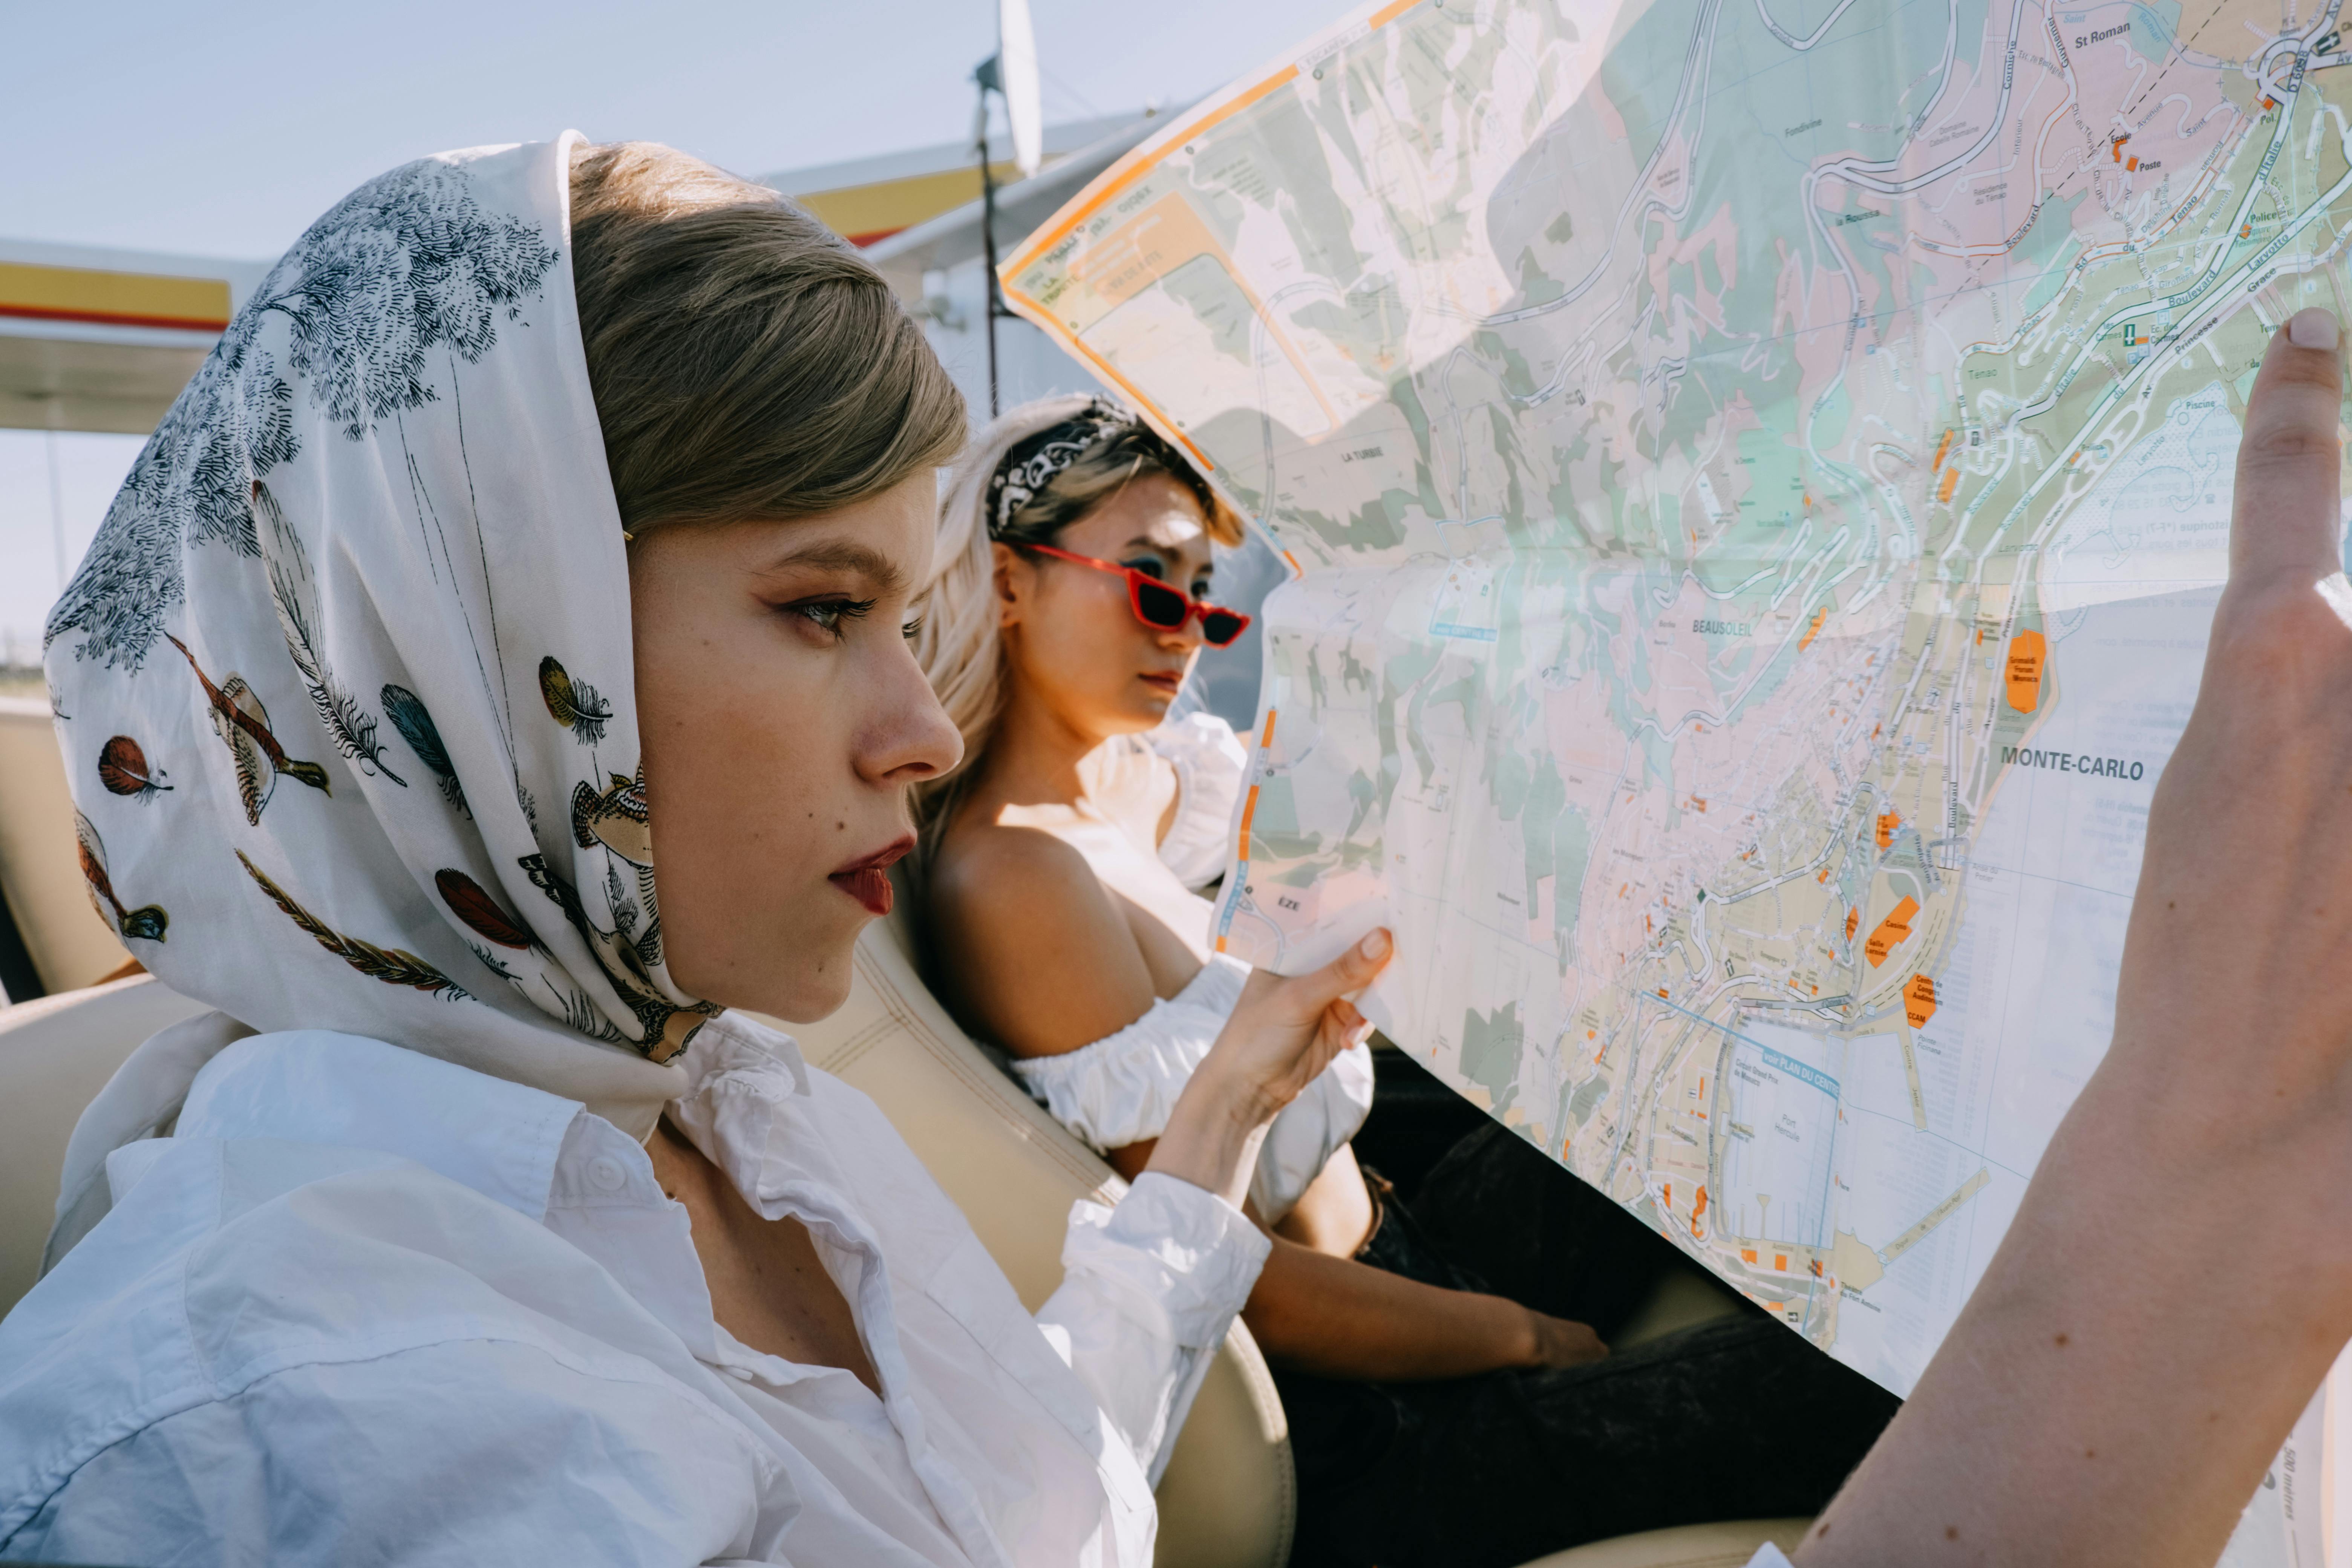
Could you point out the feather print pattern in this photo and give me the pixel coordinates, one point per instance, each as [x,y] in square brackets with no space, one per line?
[574,704]
[392,965]
[294,590]
[145,924]
[580,1013]
[624,908]
[618,818]
[481,913]
[122,769]
[339,473]
[491,961]
[664,1028]
[408,715]
[242,725]
[255,779]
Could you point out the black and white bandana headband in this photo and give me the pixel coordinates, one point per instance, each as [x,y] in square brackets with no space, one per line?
[1031,464]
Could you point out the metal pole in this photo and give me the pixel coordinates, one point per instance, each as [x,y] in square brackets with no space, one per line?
[988,227]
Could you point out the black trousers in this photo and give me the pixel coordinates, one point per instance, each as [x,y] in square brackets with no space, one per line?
[1737,1419]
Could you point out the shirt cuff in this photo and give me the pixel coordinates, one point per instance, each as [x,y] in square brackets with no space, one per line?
[1767,1556]
[1173,1249]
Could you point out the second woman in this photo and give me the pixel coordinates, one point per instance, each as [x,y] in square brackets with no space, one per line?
[1426,1354]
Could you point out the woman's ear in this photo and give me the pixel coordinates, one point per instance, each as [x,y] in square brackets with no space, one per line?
[1014,576]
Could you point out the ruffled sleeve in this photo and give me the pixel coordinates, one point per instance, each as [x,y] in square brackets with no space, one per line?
[1122,1089]
[1210,760]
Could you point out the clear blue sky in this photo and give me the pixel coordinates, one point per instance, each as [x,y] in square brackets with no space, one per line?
[224,129]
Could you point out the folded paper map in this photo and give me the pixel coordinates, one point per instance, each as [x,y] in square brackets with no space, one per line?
[1758,478]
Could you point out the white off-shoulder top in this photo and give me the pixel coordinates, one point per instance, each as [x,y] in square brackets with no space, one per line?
[1120,1089]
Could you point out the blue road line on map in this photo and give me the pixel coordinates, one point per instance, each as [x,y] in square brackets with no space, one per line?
[1672,1008]
[1772,1058]
[1465,634]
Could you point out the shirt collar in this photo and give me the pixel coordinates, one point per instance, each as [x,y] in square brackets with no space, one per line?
[737,1041]
[316,1086]
[502,1140]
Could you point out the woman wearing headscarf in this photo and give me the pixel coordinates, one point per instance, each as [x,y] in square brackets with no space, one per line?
[548,516]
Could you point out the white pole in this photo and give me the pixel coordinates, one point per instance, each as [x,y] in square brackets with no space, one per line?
[1016,55]
[58,511]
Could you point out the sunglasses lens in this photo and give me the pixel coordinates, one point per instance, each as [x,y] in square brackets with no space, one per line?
[1219,627]
[1159,605]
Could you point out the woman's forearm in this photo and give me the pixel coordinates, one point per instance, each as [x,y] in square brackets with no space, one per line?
[1212,1135]
[1336,1318]
[2130,1361]
[2179,1273]
[1282,1033]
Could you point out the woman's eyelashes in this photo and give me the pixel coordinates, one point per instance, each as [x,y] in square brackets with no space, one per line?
[830,615]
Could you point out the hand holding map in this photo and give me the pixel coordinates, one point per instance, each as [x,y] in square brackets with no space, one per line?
[2218,1128]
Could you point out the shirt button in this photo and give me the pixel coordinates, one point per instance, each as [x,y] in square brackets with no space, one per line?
[741,1373]
[606,1173]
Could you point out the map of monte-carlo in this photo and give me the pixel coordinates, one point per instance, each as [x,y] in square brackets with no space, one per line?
[1759,475]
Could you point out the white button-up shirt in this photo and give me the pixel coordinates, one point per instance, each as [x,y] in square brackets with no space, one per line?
[365,1305]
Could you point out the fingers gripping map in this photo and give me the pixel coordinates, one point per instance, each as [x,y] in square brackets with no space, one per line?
[1758,473]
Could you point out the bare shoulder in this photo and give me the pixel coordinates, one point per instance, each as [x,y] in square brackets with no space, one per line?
[988,876]
[1035,951]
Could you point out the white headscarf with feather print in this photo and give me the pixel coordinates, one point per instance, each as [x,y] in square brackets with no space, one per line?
[344,684]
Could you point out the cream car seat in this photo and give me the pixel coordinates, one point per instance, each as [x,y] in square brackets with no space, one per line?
[1691,1546]
[40,867]
[56,1054]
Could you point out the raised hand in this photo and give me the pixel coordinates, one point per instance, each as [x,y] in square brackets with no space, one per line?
[1283,1032]
[2178,1277]
[2242,927]
[1286,1029]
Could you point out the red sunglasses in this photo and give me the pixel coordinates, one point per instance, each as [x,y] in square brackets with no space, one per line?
[1159,606]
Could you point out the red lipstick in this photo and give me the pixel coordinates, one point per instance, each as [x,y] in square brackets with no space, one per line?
[868,880]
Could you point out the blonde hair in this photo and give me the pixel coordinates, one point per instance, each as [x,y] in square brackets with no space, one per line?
[960,645]
[746,362]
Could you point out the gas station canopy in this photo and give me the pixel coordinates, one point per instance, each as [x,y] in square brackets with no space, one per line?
[104,340]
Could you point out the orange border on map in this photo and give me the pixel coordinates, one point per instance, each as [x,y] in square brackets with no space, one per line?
[1249,810]
[1133,167]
